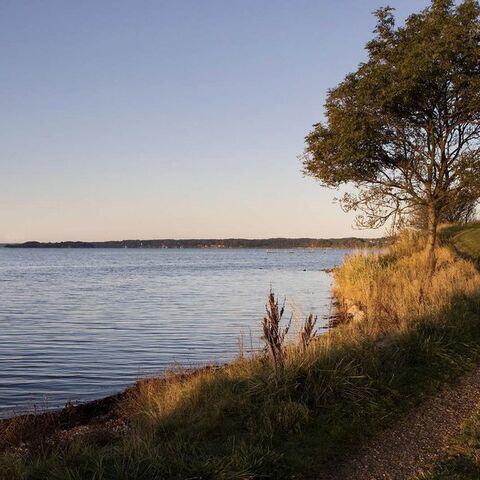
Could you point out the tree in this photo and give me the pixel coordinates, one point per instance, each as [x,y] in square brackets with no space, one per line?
[461,209]
[404,128]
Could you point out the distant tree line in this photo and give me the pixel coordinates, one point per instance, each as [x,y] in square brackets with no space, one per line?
[350,242]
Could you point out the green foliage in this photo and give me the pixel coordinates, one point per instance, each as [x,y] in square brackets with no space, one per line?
[461,209]
[404,127]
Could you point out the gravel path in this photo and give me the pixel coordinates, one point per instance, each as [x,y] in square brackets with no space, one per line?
[417,441]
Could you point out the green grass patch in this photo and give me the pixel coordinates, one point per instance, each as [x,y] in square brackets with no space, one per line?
[464,238]
[463,462]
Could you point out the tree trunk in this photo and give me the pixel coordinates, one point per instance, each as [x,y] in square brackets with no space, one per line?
[432,226]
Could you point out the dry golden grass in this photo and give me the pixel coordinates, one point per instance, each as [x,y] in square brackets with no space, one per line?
[395,289]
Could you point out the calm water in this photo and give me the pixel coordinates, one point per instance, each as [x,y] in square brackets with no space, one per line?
[81,324]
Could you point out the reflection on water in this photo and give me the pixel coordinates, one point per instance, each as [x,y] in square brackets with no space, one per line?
[81,324]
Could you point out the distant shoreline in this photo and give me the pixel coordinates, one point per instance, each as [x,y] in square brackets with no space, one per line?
[272,243]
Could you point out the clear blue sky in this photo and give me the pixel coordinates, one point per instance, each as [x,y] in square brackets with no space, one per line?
[148,119]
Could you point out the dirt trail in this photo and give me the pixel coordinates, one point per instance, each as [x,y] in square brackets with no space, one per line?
[417,441]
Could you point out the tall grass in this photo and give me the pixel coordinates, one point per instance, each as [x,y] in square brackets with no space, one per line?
[249,419]
[386,287]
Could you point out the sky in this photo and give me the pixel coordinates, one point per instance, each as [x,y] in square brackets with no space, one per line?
[171,119]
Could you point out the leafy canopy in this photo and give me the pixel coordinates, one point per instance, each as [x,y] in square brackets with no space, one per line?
[404,128]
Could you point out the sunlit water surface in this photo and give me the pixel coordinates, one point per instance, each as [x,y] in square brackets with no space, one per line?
[78,324]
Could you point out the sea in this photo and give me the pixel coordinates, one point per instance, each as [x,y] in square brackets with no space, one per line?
[80,324]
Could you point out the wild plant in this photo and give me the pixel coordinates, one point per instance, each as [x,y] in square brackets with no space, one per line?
[308,331]
[274,334]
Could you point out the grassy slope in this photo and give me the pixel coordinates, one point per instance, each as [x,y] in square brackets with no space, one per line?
[247,420]
[463,461]
[465,239]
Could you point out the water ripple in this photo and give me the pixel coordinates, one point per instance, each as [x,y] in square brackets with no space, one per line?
[79,324]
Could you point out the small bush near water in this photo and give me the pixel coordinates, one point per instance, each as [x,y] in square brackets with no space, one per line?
[248,419]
